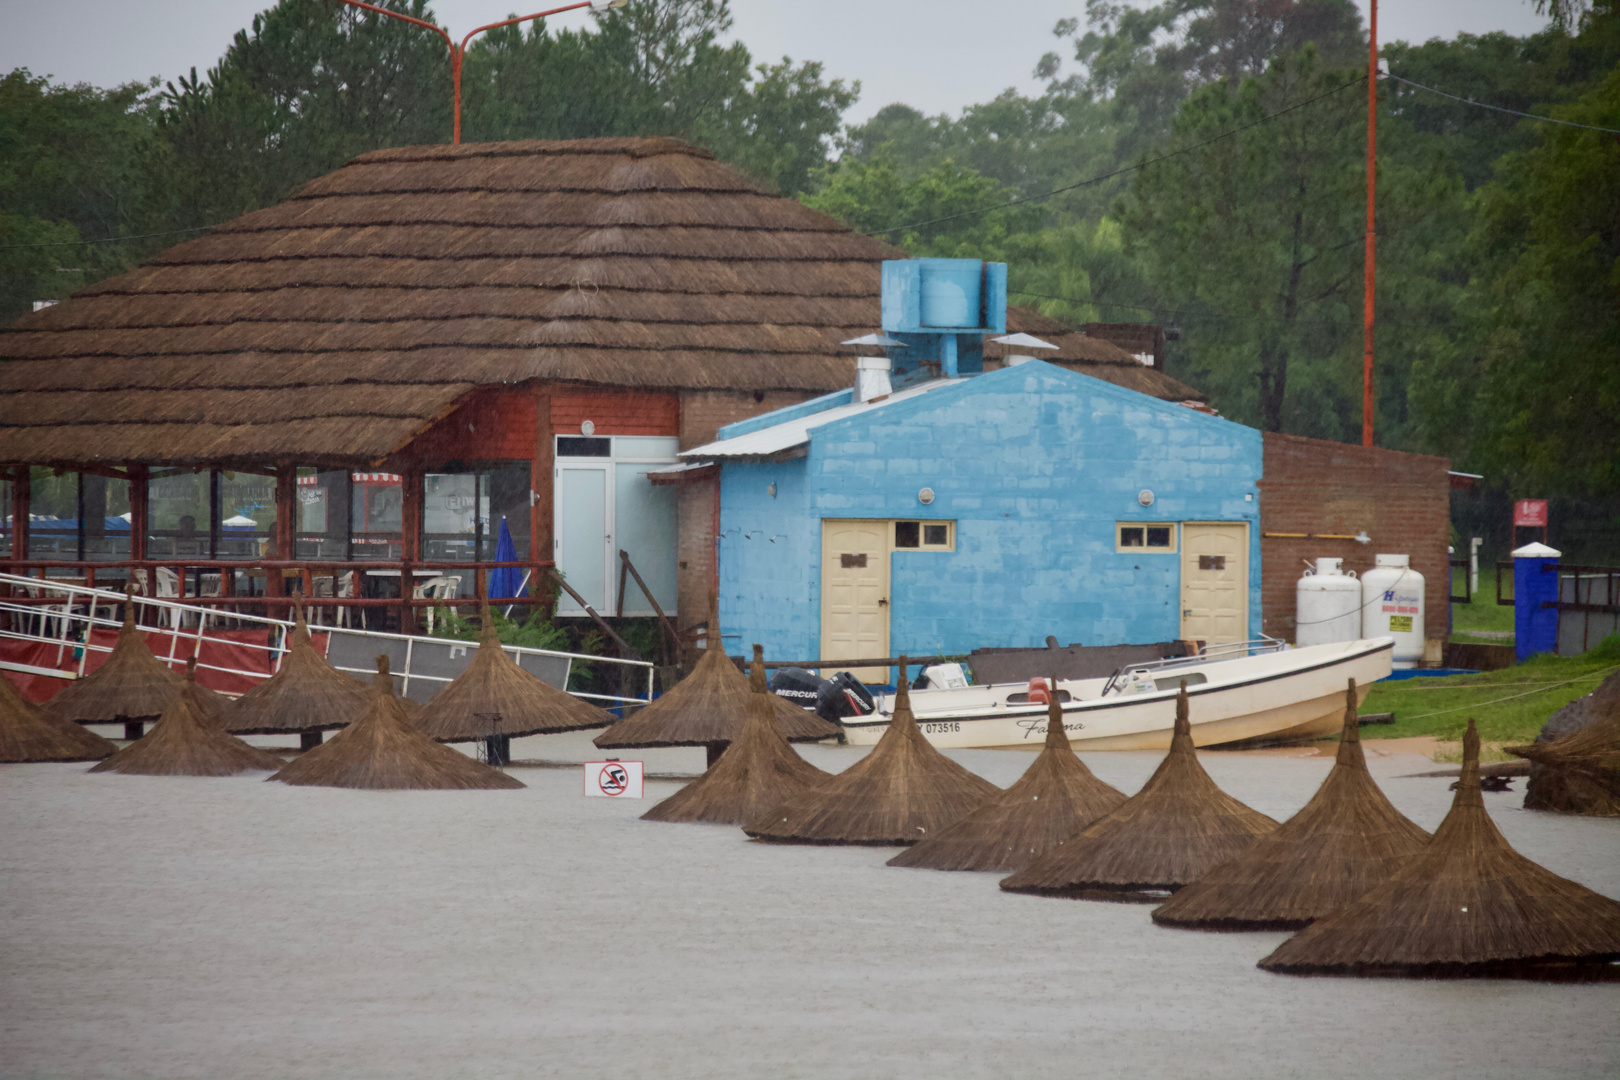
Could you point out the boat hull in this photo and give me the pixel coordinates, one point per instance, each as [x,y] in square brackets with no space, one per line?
[1280,697]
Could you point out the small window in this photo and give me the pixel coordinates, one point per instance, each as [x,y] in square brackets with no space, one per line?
[584,446]
[924,535]
[1155,537]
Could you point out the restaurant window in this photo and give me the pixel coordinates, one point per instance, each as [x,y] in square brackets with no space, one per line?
[462,514]
[179,509]
[377,516]
[246,508]
[323,514]
[78,516]
[924,535]
[1145,536]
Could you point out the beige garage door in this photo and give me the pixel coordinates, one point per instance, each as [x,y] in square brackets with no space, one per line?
[1215,581]
[855,594]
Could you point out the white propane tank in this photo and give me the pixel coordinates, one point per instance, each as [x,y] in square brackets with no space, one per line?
[1392,605]
[1327,605]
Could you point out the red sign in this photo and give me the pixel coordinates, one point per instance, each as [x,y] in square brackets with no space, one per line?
[1530,512]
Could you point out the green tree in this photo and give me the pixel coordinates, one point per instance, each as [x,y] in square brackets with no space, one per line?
[942,212]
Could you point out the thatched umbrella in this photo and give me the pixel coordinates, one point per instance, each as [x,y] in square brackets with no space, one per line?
[1467,905]
[384,749]
[307,696]
[1171,833]
[755,774]
[1055,798]
[1345,841]
[185,742]
[1578,772]
[902,792]
[495,700]
[30,733]
[707,708]
[130,688]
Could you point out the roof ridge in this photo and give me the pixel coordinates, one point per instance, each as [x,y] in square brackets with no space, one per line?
[628,146]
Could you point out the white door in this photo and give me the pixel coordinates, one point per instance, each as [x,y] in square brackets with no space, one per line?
[1215,582]
[855,594]
[584,535]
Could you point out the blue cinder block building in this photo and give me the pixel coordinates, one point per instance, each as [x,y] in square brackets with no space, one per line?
[936,507]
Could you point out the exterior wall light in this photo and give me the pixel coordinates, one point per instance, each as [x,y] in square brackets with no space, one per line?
[1145,497]
[925,496]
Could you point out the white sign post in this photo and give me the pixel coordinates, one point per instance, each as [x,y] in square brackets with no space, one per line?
[614,779]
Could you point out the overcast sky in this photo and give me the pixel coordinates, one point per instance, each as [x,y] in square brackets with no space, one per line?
[937,55]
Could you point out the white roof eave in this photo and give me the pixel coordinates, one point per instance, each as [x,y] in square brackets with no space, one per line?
[780,438]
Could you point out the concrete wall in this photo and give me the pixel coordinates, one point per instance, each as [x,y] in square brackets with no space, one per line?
[1035,464]
[1316,487]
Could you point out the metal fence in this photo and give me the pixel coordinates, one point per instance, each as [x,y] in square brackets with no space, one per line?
[60,617]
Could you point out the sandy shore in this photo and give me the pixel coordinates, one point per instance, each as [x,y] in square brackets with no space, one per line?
[231,928]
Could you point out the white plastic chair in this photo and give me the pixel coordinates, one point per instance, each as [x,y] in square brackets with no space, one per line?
[446,587]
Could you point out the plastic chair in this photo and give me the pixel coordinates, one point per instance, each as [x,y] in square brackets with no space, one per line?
[446,587]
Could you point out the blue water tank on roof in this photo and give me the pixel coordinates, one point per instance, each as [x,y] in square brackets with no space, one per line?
[950,292]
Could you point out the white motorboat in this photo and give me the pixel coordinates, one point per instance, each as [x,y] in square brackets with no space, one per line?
[1242,693]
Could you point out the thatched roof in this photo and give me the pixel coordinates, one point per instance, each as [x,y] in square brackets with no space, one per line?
[758,770]
[1345,841]
[385,750]
[307,694]
[1575,760]
[30,733]
[902,792]
[494,696]
[708,707]
[1171,833]
[1467,905]
[185,742]
[130,685]
[341,323]
[1055,798]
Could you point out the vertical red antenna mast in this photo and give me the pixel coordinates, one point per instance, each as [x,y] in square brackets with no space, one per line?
[458,52]
[1372,176]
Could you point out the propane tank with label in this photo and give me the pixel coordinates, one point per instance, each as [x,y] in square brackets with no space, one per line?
[1327,605]
[1392,605]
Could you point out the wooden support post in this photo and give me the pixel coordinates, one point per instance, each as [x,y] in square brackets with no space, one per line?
[626,650]
[21,497]
[275,584]
[139,517]
[669,628]
[309,740]
[714,749]
[413,494]
[134,729]
[541,474]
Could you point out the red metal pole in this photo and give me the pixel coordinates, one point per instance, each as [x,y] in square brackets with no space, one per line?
[1372,175]
[458,53]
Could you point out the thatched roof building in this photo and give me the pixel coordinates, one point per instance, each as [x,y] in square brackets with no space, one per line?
[30,733]
[383,749]
[758,770]
[131,685]
[1468,905]
[338,325]
[185,742]
[494,697]
[1055,798]
[708,708]
[306,695]
[1344,842]
[1575,760]
[1171,833]
[902,792]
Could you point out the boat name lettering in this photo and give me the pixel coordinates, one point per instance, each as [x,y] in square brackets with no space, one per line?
[1033,728]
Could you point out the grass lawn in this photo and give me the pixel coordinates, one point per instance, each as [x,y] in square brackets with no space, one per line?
[1510,705]
[1484,614]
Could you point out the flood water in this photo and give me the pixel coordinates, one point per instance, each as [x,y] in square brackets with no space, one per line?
[169,927]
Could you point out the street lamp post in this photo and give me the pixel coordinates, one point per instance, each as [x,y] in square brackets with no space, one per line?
[458,52]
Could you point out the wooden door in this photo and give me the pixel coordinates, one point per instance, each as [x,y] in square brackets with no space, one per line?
[1215,582]
[855,594]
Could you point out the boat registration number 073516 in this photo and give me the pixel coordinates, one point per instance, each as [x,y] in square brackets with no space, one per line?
[942,727]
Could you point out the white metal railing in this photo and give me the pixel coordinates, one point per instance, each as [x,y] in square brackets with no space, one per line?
[66,628]
[1230,650]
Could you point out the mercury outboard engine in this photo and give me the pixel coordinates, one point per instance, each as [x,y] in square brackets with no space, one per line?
[844,695]
[798,686]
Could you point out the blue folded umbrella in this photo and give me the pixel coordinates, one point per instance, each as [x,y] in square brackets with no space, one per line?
[507,581]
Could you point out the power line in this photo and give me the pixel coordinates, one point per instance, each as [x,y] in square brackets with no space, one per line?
[1120,172]
[111,239]
[1500,109]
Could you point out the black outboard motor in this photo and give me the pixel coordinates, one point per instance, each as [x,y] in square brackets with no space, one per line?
[844,695]
[798,686]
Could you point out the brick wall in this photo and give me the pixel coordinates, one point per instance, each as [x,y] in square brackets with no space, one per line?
[703,413]
[615,412]
[488,425]
[1311,486]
